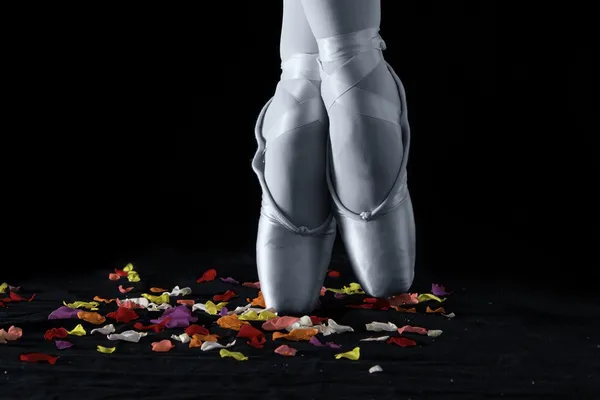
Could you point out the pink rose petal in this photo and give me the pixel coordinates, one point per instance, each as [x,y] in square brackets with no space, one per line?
[13,333]
[125,290]
[286,350]
[279,323]
[412,329]
[163,346]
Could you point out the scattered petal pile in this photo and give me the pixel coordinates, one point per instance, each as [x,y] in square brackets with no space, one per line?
[190,319]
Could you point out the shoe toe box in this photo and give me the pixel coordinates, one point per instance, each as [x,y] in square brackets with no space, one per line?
[382,250]
[292,266]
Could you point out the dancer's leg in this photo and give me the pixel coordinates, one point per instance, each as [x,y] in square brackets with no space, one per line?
[295,160]
[366,152]
[369,137]
[296,35]
[296,229]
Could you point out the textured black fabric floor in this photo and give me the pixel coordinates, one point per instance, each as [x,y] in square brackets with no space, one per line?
[506,341]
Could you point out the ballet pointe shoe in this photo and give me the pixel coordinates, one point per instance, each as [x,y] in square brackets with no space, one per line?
[292,260]
[380,242]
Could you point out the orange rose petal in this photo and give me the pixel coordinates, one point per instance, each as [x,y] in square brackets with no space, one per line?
[91,317]
[279,335]
[231,322]
[401,309]
[195,342]
[113,277]
[186,302]
[102,300]
[158,290]
[258,301]
[436,311]
[296,335]
[206,338]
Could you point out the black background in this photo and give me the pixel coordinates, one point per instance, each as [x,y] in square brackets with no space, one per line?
[135,131]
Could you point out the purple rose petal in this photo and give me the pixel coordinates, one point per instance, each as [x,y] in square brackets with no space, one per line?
[224,311]
[63,312]
[339,295]
[316,342]
[438,290]
[63,344]
[178,322]
[179,317]
[230,280]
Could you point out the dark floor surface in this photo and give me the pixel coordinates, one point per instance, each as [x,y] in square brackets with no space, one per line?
[506,341]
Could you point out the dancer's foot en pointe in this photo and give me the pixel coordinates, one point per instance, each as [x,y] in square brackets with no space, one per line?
[296,228]
[369,144]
